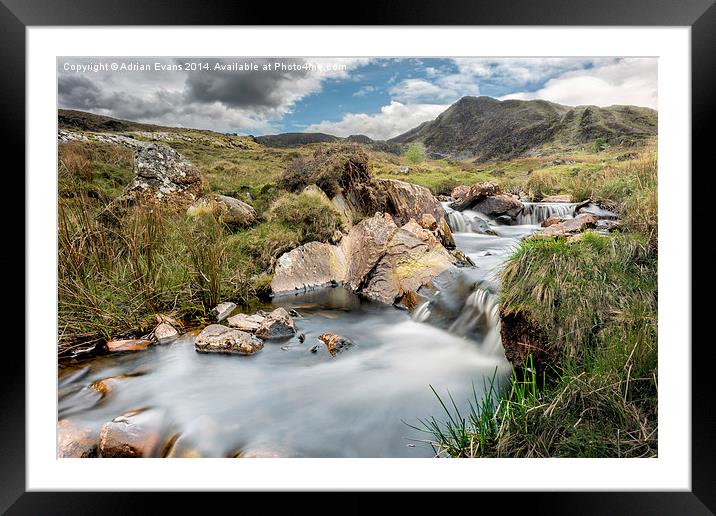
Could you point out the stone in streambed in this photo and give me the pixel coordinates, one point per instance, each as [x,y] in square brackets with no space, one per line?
[551,221]
[128,345]
[223,310]
[247,323]
[335,343]
[165,333]
[278,324]
[107,386]
[132,435]
[75,440]
[217,338]
[311,265]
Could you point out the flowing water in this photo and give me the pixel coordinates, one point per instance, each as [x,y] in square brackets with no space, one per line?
[292,398]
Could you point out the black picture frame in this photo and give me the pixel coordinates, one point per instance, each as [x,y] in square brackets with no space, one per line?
[700,15]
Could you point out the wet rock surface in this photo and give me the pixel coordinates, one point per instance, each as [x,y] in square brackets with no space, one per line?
[243,322]
[276,325]
[121,345]
[223,310]
[217,338]
[335,343]
[165,333]
[311,265]
[132,435]
[569,226]
[75,440]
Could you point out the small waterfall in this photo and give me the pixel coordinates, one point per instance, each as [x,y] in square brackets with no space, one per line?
[535,212]
[467,221]
[476,316]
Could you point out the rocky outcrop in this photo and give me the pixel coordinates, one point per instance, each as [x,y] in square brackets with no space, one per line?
[75,440]
[335,343]
[132,435]
[405,201]
[382,260]
[162,174]
[311,265]
[568,227]
[217,338]
[408,263]
[365,245]
[276,325]
[228,210]
[247,323]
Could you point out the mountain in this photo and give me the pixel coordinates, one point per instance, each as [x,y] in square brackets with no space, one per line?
[295,139]
[484,128]
[83,121]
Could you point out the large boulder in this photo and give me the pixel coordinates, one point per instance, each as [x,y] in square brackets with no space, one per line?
[162,174]
[217,338]
[276,325]
[467,196]
[132,435]
[499,205]
[311,265]
[365,245]
[408,263]
[407,201]
[379,259]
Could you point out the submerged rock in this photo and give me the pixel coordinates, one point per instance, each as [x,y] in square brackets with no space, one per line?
[335,343]
[107,386]
[243,322]
[75,441]
[223,310]
[201,438]
[128,345]
[278,324]
[217,338]
[134,434]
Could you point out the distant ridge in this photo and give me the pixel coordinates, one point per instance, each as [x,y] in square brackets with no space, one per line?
[485,128]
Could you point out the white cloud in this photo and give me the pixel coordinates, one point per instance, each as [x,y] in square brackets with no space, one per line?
[393,119]
[628,81]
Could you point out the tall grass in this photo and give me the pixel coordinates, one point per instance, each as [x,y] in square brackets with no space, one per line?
[595,394]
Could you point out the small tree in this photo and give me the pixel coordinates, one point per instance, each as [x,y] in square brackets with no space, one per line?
[414,154]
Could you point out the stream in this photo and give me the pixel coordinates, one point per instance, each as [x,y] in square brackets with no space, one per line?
[289,401]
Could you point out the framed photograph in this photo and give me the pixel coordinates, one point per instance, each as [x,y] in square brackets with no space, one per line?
[416,256]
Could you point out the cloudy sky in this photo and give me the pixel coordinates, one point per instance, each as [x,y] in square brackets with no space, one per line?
[380,98]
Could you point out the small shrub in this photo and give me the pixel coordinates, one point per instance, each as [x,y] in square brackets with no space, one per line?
[311,214]
[414,154]
[331,168]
